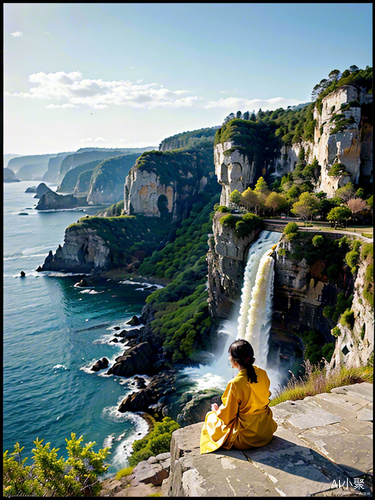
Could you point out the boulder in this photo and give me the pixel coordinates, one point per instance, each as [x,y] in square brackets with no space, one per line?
[195,410]
[134,321]
[100,364]
[137,401]
[82,283]
[31,189]
[150,473]
[135,360]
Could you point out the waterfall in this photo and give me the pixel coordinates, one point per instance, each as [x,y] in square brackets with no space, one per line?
[253,322]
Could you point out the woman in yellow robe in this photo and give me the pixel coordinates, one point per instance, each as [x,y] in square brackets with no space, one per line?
[244,419]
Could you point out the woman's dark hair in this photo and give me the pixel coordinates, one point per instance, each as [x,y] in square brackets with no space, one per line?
[242,352]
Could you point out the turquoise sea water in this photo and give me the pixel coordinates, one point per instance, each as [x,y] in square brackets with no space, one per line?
[53,333]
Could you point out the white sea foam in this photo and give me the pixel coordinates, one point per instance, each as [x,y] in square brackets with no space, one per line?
[144,285]
[60,368]
[91,292]
[56,274]
[123,450]
[108,441]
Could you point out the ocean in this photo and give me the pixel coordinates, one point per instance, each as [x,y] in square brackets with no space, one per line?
[53,333]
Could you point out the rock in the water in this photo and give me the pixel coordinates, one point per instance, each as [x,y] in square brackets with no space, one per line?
[31,189]
[23,213]
[195,410]
[114,339]
[134,321]
[82,283]
[53,201]
[41,190]
[138,401]
[136,360]
[100,364]
[22,273]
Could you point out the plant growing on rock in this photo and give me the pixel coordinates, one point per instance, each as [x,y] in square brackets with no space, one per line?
[158,440]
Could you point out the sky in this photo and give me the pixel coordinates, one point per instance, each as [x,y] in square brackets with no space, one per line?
[131,74]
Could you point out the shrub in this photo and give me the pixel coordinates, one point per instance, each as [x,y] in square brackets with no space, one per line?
[248,223]
[328,311]
[336,332]
[228,220]
[347,318]
[318,240]
[352,259]
[157,441]
[291,227]
[50,476]
[222,208]
[123,473]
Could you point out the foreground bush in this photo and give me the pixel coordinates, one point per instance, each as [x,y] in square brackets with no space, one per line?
[316,381]
[52,476]
[157,441]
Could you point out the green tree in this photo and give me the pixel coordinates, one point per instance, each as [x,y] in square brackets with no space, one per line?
[338,216]
[276,201]
[235,197]
[338,170]
[250,200]
[306,206]
[346,192]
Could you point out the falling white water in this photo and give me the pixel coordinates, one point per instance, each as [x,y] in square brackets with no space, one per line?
[254,318]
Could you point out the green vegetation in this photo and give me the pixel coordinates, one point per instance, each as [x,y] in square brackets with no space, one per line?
[367,254]
[109,176]
[338,216]
[347,318]
[342,304]
[317,380]
[70,179]
[182,323]
[178,165]
[158,440]
[52,476]
[291,227]
[83,181]
[123,473]
[196,138]
[336,332]
[243,225]
[129,238]
[113,211]
[338,170]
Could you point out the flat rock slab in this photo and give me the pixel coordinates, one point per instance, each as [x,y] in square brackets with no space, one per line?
[363,390]
[304,414]
[294,468]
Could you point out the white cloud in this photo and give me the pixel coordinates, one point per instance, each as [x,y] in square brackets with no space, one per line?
[100,139]
[131,67]
[89,139]
[69,90]
[17,34]
[46,32]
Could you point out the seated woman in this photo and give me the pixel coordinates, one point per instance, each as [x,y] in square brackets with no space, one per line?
[244,420]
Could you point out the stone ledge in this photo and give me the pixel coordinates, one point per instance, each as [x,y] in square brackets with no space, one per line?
[314,448]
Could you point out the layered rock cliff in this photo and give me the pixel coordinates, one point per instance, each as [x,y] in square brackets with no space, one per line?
[355,344]
[342,134]
[165,183]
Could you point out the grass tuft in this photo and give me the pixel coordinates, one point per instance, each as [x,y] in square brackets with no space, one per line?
[316,381]
[124,472]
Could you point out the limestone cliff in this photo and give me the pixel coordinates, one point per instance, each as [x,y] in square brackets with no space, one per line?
[342,134]
[226,263]
[83,250]
[165,183]
[355,345]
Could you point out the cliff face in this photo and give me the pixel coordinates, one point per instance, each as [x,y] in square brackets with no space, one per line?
[165,183]
[83,250]
[226,263]
[350,144]
[354,345]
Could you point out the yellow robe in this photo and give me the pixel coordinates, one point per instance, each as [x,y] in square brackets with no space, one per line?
[244,420]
